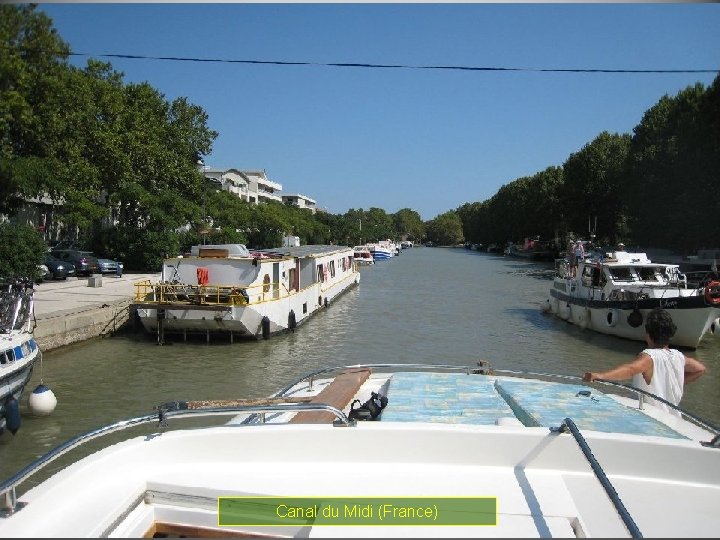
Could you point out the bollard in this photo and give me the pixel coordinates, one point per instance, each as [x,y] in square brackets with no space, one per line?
[95,281]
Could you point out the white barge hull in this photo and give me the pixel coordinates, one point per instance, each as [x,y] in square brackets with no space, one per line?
[247,296]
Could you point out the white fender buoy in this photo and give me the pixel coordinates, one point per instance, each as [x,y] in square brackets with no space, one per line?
[42,401]
[546,306]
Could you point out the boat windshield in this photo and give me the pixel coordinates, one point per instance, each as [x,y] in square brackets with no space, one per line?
[649,273]
[656,274]
[622,273]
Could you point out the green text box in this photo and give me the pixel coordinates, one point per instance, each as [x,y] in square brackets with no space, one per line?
[323,511]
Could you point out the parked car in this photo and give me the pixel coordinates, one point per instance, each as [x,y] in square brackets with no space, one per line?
[43,273]
[108,266]
[58,268]
[86,264]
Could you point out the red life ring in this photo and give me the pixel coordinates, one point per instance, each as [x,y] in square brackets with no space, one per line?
[712,293]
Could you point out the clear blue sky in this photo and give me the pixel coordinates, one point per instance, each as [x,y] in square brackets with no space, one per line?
[429,140]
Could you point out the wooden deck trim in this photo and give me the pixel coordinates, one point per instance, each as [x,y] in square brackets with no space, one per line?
[338,394]
[160,529]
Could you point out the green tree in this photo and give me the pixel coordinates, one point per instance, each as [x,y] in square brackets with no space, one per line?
[474,217]
[445,229]
[22,249]
[358,232]
[377,225]
[160,186]
[592,189]
[32,62]
[672,180]
[545,213]
[507,211]
[408,224]
[268,225]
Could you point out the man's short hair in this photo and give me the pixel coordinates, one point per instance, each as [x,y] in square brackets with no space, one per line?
[660,326]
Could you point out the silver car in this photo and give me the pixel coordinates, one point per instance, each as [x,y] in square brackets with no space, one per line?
[108,266]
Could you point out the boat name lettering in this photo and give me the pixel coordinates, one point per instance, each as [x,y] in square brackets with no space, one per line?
[668,303]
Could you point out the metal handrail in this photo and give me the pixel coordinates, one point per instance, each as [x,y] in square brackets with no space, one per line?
[696,419]
[8,498]
[419,367]
[627,519]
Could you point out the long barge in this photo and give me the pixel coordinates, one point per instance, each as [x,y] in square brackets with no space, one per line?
[228,289]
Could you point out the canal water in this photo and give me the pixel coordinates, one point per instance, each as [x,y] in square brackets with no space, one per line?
[429,305]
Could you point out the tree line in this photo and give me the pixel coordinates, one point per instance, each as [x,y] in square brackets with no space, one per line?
[657,187]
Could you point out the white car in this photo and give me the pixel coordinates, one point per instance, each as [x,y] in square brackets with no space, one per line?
[43,273]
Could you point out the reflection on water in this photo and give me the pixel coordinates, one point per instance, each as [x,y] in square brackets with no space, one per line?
[430,305]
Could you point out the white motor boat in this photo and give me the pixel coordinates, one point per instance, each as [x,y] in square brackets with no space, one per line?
[613,295]
[18,349]
[390,451]
[381,251]
[363,256]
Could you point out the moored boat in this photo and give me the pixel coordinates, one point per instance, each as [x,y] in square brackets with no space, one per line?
[542,455]
[532,248]
[18,349]
[613,294]
[363,256]
[228,289]
[383,250]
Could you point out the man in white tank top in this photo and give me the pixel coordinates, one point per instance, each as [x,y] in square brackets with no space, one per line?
[658,369]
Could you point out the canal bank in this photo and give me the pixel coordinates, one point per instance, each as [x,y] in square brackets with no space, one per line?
[77,309]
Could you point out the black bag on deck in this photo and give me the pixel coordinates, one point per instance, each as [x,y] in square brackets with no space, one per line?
[369,410]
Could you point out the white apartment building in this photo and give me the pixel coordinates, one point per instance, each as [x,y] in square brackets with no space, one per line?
[230,180]
[261,187]
[250,186]
[301,201]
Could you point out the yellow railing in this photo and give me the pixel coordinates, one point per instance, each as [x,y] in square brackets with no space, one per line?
[174,293]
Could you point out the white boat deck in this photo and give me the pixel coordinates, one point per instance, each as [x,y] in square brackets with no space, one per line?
[545,486]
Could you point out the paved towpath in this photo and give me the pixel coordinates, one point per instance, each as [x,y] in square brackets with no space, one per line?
[55,298]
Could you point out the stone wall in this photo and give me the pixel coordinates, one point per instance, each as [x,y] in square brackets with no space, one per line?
[65,327]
